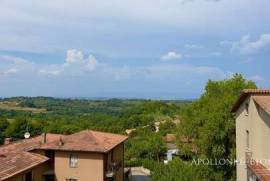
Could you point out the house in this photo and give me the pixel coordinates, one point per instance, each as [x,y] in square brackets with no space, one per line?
[83,156]
[172,148]
[252,111]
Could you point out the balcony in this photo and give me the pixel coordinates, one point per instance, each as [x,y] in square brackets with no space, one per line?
[113,168]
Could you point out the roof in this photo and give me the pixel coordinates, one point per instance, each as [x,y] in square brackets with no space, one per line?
[16,158]
[263,102]
[91,141]
[14,163]
[259,170]
[27,144]
[245,93]
[170,138]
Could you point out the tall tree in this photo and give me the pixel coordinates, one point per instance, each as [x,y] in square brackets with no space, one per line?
[210,123]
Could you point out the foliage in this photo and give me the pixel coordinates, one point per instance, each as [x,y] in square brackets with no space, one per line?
[144,144]
[209,121]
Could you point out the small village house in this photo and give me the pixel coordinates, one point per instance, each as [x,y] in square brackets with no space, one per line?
[83,156]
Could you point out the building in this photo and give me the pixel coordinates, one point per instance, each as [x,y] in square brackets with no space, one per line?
[252,111]
[83,156]
[172,148]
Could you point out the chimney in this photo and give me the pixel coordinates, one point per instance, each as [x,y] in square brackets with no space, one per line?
[61,142]
[44,138]
[7,141]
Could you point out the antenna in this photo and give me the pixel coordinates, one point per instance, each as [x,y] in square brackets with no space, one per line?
[27,134]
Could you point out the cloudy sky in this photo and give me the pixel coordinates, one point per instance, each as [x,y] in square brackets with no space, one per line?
[130,48]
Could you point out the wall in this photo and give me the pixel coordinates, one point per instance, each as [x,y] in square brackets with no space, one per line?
[260,128]
[257,122]
[242,125]
[90,166]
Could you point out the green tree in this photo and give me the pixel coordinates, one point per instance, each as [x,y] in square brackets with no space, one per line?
[209,121]
[3,126]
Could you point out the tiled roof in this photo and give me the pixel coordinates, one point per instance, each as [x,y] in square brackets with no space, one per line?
[15,157]
[14,163]
[263,102]
[92,141]
[27,144]
[259,170]
[246,93]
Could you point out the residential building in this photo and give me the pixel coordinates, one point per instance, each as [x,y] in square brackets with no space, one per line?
[83,156]
[252,111]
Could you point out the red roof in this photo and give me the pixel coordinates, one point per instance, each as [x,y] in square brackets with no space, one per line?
[259,170]
[92,141]
[263,102]
[13,163]
[27,144]
[246,93]
[16,158]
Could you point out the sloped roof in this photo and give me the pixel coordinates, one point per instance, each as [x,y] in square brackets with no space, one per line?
[27,144]
[14,163]
[245,93]
[92,141]
[263,102]
[16,158]
[259,170]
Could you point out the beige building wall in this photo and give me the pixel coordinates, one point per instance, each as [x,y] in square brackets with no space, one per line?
[257,122]
[261,135]
[242,126]
[90,166]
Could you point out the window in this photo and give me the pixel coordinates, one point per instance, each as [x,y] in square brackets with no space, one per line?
[71,179]
[73,161]
[247,139]
[28,176]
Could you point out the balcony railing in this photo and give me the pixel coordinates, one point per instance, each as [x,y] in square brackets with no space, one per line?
[113,168]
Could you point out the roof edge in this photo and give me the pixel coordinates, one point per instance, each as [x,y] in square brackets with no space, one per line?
[245,93]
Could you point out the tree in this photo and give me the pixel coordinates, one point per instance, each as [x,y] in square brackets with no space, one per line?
[210,123]
[3,126]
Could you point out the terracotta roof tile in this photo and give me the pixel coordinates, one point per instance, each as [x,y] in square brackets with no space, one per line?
[263,102]
[92,141]
[14,163]
[259,170]
[245,93]
[27,144]
[15,158]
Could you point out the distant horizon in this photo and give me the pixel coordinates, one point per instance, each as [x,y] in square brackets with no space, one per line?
[108,97]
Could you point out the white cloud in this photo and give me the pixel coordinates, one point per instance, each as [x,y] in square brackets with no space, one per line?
[246,46]
[257,78]
[171,56]
[77,75]
[45,25]
[74,56]
[76,64]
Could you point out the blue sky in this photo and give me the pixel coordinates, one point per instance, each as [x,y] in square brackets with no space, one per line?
[146,49]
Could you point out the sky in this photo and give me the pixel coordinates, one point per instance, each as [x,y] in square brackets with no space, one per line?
[160,49]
